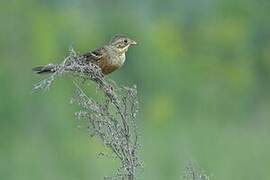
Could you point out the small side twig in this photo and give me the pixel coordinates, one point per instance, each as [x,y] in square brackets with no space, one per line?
[194,172]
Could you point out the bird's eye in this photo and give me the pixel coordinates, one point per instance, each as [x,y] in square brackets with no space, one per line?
[125,41]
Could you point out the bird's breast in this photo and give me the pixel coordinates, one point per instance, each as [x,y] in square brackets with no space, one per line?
[117,60]
[112,62]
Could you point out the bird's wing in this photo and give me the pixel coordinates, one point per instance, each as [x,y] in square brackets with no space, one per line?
[94,56]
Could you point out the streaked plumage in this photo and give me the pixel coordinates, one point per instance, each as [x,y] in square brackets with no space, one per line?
[109,57]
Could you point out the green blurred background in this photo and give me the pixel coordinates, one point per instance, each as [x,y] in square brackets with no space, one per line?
[202,69]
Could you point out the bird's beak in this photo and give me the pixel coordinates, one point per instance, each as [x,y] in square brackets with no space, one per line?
[133,42]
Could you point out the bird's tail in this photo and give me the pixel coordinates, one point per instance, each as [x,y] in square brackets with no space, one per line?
[50,68]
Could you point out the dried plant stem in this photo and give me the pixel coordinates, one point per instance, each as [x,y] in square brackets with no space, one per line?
[112,119]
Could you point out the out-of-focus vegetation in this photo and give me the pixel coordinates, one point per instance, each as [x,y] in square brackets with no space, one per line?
[203,74]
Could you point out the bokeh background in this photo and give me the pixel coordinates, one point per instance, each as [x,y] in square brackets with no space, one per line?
[202,69]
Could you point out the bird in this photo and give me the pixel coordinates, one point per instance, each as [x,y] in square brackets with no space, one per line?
[109,57]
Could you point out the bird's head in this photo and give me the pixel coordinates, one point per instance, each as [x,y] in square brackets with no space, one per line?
[122,43]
